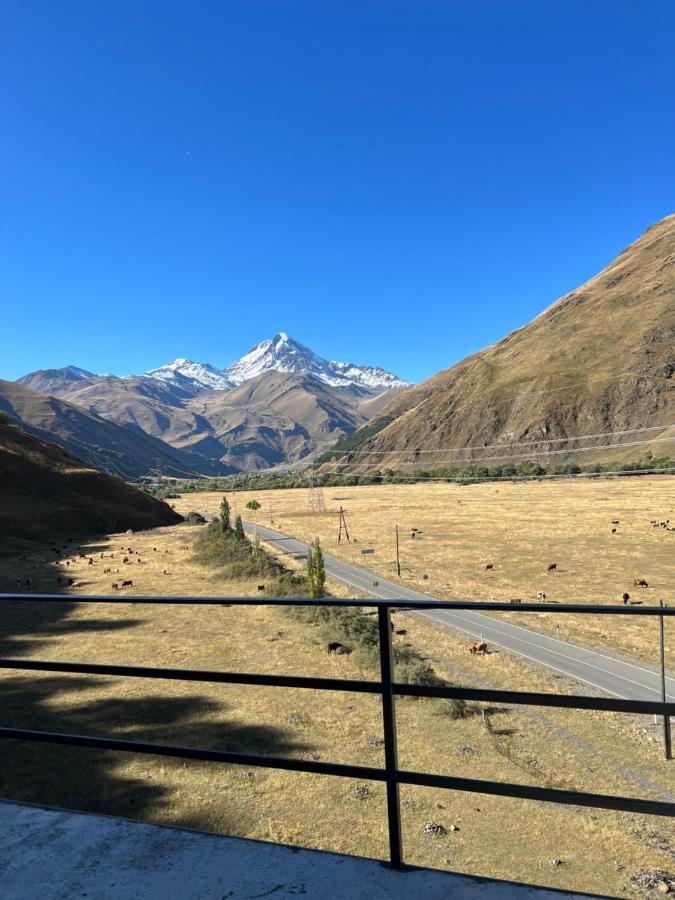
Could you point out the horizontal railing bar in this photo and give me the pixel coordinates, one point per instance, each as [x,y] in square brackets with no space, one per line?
[478,606]
[564,701]
[292,681]
[487,695]
[196,753]
[547,795]
[421,779]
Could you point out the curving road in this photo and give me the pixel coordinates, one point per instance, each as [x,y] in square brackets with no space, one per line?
[632,681]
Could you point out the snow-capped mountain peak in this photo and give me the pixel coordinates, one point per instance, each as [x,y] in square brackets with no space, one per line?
[284,354]
[200,375]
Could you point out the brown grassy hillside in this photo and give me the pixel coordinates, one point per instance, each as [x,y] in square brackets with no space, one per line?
[600,359]
[44,491]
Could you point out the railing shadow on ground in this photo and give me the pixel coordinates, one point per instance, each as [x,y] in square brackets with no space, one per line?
[173,709]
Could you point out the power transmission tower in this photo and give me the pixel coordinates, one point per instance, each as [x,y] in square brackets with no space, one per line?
[315,499]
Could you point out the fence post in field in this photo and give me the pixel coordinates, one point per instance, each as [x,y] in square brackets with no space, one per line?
[390,749]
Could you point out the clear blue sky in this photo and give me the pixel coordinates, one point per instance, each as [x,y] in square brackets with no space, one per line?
[396,183]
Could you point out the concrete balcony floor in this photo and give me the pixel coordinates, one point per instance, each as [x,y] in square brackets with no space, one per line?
[57,855]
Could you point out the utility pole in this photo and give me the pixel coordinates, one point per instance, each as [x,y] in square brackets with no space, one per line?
[343,524]
[398,558]
[667,742]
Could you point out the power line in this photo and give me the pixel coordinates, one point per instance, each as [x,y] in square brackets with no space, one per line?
[561,440]
[539,453]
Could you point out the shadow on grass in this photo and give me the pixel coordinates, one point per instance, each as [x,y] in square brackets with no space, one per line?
[102,781]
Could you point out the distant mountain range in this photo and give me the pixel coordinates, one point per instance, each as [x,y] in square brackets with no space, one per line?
[599,361]
[279,404]
[278,354]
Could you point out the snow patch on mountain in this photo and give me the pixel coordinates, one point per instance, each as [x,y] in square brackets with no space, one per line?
[283,354]
[200,375]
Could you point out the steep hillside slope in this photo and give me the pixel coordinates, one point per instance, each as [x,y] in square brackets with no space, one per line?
[601,359]
[276,418]
[129,453]
[44,491]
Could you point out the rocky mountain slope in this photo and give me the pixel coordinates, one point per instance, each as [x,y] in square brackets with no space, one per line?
[270,420]
[45,491]
[127,451]
[53,381]
[601,359]
[277,405]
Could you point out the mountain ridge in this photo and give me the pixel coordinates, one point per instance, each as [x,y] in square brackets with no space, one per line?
[599,359]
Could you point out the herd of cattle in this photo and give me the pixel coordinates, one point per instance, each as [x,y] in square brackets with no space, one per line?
[65,558]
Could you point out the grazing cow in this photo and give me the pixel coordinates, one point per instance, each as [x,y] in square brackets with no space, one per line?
[126,559]
[541,595]
[515,600]
[91,561]
[625,598]
[106,571]
[613,530]
[553,567]
[127,584]
[640,582]
[115,586]
[615,521]
[489,567]
[261,587]
[478,647]
[335,647]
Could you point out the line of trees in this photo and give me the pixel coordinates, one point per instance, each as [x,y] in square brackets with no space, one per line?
[460,474]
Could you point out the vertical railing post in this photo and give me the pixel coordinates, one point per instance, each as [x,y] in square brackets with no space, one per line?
[390,744]
[667,741]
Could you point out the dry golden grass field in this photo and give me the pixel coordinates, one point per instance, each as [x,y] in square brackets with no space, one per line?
[518,528]
[565,847]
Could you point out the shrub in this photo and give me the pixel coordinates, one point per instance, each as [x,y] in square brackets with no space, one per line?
[253,504]
[195,518]
[453,708]
[409,668]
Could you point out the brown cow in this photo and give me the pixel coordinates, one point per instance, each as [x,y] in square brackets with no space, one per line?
[516,600]
[640,582]
[478,647]
[553,567]
[489,567]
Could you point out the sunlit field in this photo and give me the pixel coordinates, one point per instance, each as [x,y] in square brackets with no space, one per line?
[517,528]
[566,847]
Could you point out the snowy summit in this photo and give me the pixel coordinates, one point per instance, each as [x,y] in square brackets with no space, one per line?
[283,354]
[279,354]
[200,375]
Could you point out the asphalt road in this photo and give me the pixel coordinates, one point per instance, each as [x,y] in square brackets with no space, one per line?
[609,674]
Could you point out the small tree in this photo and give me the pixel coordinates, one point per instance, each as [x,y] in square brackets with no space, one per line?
[225,526]
[256,549]
[239,529]
[315,571]
[252,504]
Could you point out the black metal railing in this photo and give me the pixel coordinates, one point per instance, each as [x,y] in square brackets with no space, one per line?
[386,688]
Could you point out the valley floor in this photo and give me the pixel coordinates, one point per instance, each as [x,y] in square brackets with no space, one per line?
[518,529]
[564,847]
